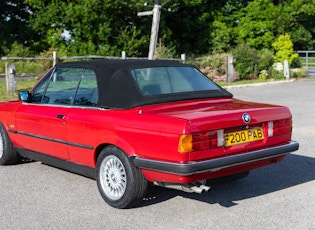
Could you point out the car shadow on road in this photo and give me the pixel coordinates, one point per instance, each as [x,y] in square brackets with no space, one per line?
[24,161]
[293,170]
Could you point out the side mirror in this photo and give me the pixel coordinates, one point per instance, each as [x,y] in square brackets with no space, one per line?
[24,96]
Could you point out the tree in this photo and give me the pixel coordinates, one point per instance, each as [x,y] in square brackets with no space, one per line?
[301,23]
[284,49]
[189,25]
[108,27]
[259,22]
[14,24]
[90,26]
[194,27]
[220,37]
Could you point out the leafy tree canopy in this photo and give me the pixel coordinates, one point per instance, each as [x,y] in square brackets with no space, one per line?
[194,27]
[90,26]
[14,24]
[258,23]
[284,49]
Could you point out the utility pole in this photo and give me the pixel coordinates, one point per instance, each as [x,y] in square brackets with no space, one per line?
[156,12]
[155,28]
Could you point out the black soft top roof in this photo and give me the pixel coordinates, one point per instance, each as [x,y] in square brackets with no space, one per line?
[117,89]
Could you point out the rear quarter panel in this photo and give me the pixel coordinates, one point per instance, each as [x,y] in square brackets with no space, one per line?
[136,133]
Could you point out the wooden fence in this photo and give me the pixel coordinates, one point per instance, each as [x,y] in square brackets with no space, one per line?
[55,59]
[12,74]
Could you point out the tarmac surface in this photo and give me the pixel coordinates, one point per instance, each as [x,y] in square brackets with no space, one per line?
[281,196]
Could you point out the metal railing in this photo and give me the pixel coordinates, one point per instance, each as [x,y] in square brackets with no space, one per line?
[307,58]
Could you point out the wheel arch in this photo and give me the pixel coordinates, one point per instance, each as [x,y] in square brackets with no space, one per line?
[114,141]
[121,184]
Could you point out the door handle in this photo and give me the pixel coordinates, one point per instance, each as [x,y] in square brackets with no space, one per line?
[61,116]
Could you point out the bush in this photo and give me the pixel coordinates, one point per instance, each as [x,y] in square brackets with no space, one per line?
[26,66]
[213,66]
[266,60]
[164,52]
[263,75]
[298,72]
[215,61]
[246,61]
[18,50]
[284,49]
[296,63]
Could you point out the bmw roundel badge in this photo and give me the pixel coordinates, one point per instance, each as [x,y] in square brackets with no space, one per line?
[246,118]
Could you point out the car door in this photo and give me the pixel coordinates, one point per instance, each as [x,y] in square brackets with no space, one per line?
[41,123]
[82,121]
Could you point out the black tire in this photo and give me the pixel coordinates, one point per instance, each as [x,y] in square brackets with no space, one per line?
[120,183]
[8,154]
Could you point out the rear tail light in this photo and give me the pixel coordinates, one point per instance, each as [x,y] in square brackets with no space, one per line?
[185,143]
[279,127]
[201,141]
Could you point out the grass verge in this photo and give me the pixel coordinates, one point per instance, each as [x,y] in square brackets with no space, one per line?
[20,85]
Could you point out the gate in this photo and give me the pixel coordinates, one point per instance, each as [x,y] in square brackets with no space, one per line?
[308,60]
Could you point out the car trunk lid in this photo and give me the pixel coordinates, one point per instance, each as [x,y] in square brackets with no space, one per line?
[219,113]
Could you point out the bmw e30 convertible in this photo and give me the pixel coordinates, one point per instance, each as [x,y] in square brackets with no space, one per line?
[131,123]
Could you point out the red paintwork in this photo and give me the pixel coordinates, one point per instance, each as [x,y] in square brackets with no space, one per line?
[150,132]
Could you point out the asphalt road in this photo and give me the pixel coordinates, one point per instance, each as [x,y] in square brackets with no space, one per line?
[280,196]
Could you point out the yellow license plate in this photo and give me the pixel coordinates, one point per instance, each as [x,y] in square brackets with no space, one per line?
[243,136]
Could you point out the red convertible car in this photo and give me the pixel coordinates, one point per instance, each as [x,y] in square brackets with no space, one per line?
[130,123]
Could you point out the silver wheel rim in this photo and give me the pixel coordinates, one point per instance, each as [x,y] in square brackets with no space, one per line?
[1,146]
[113,177]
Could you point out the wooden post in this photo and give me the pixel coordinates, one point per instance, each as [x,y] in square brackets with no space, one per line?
[10,77]
[156,12]
[123,55]
[286,69]
[55,58]
[229,69]
[183,58]
[155,28]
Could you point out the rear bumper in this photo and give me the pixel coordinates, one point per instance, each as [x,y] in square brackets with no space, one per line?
[215,164]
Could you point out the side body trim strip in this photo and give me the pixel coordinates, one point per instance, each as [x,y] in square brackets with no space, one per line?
[52,140]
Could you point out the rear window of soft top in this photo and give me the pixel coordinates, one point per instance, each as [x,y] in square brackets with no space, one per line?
[170,80]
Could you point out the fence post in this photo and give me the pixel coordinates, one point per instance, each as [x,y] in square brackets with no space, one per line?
[229,69]
[286,69]
[55,58]
[183,58]
[306,57]
[10,77]
[123,55]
